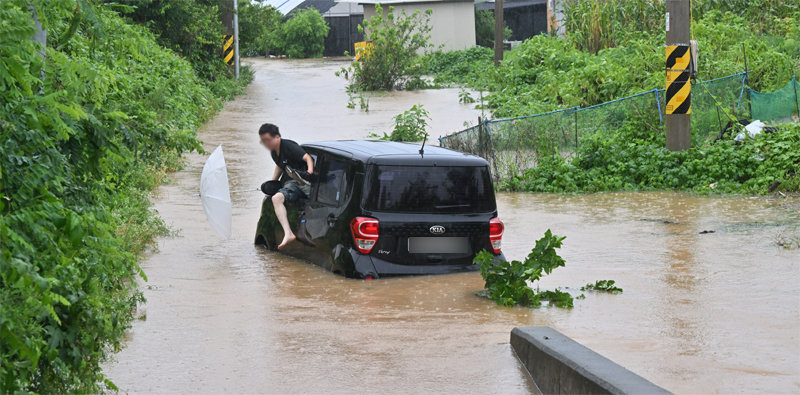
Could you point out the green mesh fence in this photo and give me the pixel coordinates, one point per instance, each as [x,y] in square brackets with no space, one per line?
[514,144]
[639,111]
[714,103]
[521,143]
[776,107]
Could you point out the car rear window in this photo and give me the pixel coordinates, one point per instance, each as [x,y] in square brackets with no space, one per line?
[434,189]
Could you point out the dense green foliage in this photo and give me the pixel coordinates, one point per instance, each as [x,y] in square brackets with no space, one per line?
[86,134]
[302,35]
[393,60]
[484,28]
[409,126]
[259,28]
[507,283]
[593,25]
[191,28]
[263,31]
[469,66]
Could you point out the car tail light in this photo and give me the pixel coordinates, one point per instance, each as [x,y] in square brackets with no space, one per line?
[365,233]
[496,228]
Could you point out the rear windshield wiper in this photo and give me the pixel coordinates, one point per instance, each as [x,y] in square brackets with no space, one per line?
[453,206]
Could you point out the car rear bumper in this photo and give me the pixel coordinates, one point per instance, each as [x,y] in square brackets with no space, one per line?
[371,266]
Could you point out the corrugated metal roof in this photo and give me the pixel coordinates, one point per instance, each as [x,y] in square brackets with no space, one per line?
[390,2]
[325,7]
[284,6]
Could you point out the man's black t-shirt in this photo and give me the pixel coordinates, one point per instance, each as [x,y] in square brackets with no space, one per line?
[291,154]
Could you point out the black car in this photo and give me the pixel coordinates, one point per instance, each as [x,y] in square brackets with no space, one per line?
[381,208]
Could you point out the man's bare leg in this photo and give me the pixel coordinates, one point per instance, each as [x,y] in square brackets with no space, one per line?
[280,212]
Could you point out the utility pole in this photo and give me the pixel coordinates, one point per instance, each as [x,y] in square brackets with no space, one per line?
[230,40]
[236,35]
[678,67]
[498,32]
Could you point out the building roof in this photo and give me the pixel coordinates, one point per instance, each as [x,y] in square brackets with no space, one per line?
[489,4]
[325,7]
[284,6]
[392,2]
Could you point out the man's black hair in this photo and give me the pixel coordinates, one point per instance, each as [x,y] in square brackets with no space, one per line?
[269,128]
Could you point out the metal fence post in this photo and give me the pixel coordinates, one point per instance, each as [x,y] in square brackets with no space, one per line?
[491,150]
[658,105]
[796,101]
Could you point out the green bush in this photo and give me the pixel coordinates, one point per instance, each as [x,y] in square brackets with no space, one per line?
[301,36]
[409,126]
[468,66]
[79,151]
[393,60]
[257,24]
[191,28]
[507,283]
[484,29]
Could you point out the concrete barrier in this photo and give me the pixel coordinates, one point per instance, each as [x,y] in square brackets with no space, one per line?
[560,365]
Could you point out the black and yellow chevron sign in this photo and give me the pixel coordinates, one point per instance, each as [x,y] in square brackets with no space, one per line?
[679,87]
[227,49]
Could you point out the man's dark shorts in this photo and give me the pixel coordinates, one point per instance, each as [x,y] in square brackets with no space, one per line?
[292,191]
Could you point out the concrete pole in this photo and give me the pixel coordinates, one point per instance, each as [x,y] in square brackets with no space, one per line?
[226,7]
[236,36]
[678,23]
[498,31]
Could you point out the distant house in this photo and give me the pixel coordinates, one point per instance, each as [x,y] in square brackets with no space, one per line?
[452,21]
[343,19]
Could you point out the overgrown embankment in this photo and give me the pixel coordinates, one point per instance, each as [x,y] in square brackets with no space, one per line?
[89,124]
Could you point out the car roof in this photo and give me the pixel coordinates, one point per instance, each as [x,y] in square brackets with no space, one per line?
[397,153]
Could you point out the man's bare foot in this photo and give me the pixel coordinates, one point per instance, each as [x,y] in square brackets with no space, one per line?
[290,237]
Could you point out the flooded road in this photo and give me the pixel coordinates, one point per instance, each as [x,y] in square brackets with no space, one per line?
[700,313]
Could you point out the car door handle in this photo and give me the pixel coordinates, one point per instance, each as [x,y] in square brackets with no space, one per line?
[331,220]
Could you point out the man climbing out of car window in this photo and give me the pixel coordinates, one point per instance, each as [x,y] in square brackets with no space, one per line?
[290,158]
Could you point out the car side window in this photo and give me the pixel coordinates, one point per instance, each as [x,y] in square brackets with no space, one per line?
[332,181]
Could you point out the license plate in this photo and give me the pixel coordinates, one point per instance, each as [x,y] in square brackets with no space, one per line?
[438,245]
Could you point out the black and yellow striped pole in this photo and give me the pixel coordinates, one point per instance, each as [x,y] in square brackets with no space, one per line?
[227,49]
[230,40]
[679,86]
[678,99]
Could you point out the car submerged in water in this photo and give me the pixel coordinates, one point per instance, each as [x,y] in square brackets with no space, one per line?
[381,208]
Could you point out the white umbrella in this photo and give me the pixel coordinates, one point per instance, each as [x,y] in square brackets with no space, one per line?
[215,193]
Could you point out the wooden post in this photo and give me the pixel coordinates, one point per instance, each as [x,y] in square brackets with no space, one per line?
[498,32]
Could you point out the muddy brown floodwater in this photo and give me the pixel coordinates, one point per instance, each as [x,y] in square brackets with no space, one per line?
[700,313]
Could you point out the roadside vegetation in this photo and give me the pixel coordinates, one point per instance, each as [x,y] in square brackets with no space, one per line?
[614,49]
[410,126]
[87,131]
[258,26]
[392,60]
[302,35]
[484,29]
[264,31]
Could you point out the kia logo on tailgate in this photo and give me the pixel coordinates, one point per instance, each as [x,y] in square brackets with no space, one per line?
[437,229]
